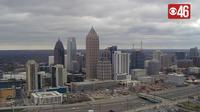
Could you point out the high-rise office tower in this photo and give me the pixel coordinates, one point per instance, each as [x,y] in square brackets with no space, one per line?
[59,53]
[104,70]
[157,54]
[112,49]
[1,74]
[194,52]
[65,60]
[105,55]
[80,60]
[166,61]
[51,60]
[121,65]
[196,61]
[137,59]
[71,53]
[153,67]
[39,79]
[59,76]
[31,72]
[92,54]
[180,55]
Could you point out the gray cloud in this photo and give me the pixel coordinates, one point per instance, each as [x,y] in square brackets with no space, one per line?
[37,24]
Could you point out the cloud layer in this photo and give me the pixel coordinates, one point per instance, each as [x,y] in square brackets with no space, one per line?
[37,24]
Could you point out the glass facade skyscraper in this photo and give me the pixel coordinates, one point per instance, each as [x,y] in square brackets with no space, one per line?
[71,53]
[59,53]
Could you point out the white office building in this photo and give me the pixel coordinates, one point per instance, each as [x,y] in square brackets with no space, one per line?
[16,76]
[51,60]
[59,75]
[121,64]
[52,97]
[31,73]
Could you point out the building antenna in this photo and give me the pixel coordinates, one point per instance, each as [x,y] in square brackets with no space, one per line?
[133,46]
[141,45]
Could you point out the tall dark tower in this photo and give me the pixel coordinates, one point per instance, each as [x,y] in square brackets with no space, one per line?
[59,53]
[92,54]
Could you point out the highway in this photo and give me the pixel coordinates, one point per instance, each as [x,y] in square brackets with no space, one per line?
[117,104]
[179,93]
[171,97]
[120,104]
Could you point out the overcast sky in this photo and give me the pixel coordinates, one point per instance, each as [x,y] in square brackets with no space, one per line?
[37,24]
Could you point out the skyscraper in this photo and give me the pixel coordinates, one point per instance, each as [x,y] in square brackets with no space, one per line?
[81,61]
[196,61]
[112,49]
[65,60]
[104,70]
[157,54]
[153,67]
[121,65]
[105,55]
[166,61]
[194,52]
[137,59]
[31,72]
[92,54]
[58,75]
[39,79]
[51,60]
[180,55]
[71,53]
[59,53]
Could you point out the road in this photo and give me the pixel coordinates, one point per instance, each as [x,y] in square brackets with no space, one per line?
[120,104]
[179,93]
[171,97]
[117,104]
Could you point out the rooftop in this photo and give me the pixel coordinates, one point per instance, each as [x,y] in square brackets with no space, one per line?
[46,94]
[175,74]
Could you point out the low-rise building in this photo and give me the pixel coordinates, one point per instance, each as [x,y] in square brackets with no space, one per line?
[193,70]
[94,85]
[7,93]
[16,76]
[135,73]
[177,79]
[146,79]
[50,97]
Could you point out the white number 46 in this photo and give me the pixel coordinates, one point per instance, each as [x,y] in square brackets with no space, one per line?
[183,11]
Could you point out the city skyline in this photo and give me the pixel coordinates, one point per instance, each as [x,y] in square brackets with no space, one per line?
[37,25]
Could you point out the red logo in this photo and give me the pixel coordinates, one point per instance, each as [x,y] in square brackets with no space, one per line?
[179,11]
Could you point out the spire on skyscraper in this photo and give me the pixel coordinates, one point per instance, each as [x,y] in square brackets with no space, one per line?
[92,33]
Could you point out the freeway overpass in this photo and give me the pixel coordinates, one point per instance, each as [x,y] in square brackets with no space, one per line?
[151,98]
[120,104]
